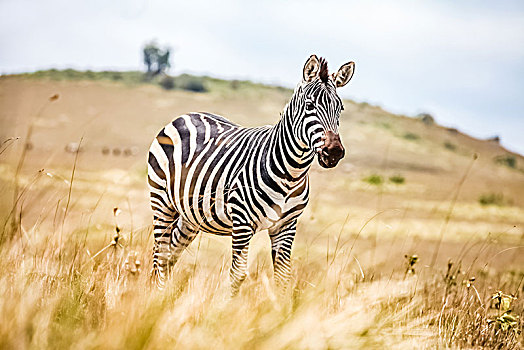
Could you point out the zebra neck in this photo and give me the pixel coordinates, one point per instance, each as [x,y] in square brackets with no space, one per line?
[287,158]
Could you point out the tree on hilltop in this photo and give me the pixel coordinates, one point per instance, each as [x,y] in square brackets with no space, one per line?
[156,59]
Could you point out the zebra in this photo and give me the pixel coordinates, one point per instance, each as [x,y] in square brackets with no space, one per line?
[207,174]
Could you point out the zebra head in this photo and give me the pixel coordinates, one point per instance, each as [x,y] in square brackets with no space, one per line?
[322,106]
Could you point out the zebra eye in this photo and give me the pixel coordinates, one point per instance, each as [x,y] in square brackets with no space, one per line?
[309,106]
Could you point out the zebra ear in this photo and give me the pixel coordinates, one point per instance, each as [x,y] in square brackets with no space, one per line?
[311,68]
[344,74]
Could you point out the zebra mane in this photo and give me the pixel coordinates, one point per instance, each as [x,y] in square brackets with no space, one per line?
[323,73]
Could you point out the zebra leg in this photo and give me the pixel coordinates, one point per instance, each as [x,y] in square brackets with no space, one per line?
[169,249]
[165,218]
[162,230]
[183,234]
[241,236]
[281,243]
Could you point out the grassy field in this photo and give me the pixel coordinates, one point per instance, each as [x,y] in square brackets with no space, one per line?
[415,240]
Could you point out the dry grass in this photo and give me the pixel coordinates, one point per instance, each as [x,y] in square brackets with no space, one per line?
[55,294]
[68,286]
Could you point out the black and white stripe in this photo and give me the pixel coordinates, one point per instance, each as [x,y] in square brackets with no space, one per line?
[208,174]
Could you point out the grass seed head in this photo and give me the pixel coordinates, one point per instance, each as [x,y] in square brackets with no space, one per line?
[411,260]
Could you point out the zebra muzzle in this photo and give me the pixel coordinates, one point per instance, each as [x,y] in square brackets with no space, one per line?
[332,151]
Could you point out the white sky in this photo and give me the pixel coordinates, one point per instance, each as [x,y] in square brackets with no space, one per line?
[462,62]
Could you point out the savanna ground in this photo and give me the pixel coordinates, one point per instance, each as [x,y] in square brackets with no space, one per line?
[411,242]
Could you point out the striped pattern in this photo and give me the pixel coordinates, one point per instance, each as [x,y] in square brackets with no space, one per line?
[207,174]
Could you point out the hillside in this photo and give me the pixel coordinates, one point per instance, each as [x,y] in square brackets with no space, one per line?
[121,115]
[413,241]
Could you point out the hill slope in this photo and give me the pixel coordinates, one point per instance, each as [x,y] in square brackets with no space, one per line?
[430,159]
[370,259]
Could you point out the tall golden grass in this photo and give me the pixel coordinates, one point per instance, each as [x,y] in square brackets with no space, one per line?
[58,293]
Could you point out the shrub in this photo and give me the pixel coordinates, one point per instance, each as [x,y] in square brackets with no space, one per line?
[411,136]
[374,179]
[90,75]
[397,179]
[71,74]
[194,85]
[426,118]
[507,160]
[167,83]
[492,199]
[235,84]
[363,105]
[115,76]
[190,83]
[450,146]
